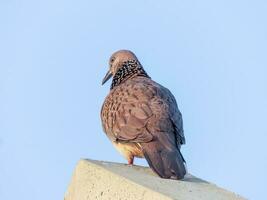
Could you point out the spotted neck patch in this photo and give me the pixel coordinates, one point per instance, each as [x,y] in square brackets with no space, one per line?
[128,70]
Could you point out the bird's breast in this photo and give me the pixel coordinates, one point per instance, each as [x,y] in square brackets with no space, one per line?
[129,150]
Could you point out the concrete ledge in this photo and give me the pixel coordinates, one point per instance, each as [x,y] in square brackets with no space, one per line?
[105,180]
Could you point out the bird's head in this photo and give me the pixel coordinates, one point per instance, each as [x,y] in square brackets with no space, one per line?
[117,61]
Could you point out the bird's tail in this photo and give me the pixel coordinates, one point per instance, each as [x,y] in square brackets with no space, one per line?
[166,162]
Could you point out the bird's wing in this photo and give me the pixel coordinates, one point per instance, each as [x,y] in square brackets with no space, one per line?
[177,120]
[136,111]
[126,112]
[131,121]
[168,118]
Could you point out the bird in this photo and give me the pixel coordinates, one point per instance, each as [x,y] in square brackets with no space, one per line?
[141,117]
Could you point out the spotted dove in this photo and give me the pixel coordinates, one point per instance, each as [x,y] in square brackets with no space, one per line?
[142,118]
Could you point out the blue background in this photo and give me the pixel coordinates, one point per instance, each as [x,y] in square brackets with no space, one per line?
[53,55]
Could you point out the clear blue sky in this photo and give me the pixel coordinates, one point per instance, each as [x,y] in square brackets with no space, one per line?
[53,55]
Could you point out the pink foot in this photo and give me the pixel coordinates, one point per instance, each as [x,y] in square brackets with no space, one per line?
[131,161]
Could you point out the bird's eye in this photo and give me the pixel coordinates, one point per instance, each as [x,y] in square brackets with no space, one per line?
[112,60]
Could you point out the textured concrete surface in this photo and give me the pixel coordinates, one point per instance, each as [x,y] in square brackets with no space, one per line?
[105,180]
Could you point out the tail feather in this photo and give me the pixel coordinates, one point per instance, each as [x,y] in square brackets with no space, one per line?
[166,162]
[158,166]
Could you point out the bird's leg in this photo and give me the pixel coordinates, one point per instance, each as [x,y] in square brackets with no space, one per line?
[131,161]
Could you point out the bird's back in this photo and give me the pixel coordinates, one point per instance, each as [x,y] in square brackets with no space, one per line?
[150,107]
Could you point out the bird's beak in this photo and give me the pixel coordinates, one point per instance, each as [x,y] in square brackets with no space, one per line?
[107,77]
